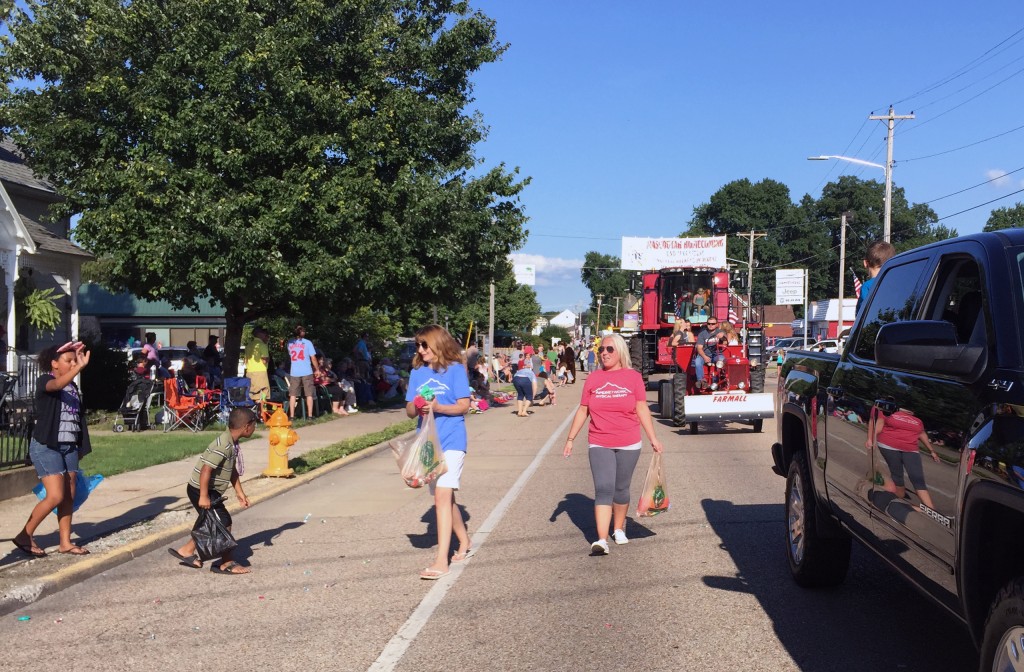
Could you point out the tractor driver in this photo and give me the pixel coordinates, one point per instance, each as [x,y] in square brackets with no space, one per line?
[709,349]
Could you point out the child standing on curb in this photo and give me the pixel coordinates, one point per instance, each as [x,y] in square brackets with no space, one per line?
[60,438]
[219,466]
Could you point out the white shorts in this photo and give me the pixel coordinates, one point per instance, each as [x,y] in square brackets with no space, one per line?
[450,478]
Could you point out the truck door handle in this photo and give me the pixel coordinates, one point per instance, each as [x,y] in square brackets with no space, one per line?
[834,391]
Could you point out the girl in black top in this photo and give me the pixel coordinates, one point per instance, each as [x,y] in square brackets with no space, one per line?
[59,439]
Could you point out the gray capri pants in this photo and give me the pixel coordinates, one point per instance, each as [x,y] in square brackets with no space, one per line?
[612,469]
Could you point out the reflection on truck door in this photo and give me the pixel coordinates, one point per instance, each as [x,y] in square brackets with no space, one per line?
[855,386]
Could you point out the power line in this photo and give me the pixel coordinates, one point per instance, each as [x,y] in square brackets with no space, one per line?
[975,96]
[980,184]
[980,205]
[957,149]
[964,69]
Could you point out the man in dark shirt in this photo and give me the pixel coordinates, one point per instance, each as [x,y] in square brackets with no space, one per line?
[708,348]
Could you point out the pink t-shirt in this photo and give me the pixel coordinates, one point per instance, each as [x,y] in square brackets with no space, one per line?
[901,432]
[611,397]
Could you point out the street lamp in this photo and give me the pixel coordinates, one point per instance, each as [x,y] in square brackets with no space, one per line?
[887,226]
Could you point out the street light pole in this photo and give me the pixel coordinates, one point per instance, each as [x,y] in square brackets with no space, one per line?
[887,217]
[599,297]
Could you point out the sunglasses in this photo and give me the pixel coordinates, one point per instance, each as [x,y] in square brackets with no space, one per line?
[606,348]
[422,345]
[712,324]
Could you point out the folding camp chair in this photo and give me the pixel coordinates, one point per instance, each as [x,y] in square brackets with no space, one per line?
[235,394]
[181,410]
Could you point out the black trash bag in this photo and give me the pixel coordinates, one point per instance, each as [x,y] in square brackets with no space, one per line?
[212,539]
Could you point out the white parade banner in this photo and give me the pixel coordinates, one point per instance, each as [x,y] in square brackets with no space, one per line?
[645,254]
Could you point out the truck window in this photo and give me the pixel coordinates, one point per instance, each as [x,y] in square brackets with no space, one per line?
[894,299]
[957,299]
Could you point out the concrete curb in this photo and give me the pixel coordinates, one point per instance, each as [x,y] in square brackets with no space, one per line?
[49,584]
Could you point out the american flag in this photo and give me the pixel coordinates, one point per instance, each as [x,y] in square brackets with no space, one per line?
[856,283]
[733,317]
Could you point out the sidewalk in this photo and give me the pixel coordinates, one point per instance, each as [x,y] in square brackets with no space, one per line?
[156,494]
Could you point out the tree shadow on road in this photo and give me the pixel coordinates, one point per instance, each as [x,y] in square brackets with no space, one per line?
[580,509]
[428,538]
[264,538]
[873,621]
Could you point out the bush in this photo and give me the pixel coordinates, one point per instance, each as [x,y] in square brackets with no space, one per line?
[105,380]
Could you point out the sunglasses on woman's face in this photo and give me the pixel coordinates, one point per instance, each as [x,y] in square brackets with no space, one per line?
[606,348]
[422,345]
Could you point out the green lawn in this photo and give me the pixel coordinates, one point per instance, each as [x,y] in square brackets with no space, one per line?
[118,453]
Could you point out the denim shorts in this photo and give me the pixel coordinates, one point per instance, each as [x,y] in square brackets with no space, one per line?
[52,461]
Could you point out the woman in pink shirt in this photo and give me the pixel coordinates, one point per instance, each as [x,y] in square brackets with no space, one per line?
[615,398]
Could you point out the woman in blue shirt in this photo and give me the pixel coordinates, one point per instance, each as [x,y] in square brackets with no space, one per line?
[438,365]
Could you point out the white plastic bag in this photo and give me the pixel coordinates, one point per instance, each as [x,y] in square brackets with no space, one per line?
[420,458]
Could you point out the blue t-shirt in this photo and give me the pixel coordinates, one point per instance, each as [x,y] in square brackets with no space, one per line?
[449,385]
[301,351]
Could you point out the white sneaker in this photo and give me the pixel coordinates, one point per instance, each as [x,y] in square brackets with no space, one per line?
[599,547]
[352,409]
[620,537]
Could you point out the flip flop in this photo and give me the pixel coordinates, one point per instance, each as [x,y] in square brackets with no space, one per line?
[228,568]
[462,556]
[186,560]
[430,574]
[27,548]
[75,550]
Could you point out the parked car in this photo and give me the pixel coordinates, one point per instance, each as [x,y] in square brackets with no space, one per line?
[406,351]
[827,345]
[910,440]
[783,344]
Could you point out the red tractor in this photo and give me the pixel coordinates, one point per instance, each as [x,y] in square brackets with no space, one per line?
[732,388]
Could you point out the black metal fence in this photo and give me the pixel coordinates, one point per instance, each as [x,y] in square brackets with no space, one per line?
[17,418]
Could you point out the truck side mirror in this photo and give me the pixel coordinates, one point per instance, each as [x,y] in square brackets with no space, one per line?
[930,346]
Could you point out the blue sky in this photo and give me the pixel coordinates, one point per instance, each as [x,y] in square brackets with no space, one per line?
[626,116]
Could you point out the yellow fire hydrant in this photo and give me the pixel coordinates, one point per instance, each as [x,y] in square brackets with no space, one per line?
[282,436]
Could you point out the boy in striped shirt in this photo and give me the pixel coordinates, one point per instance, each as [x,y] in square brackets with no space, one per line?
[218,467]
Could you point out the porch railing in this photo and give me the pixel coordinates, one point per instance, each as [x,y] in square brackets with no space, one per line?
[17,418]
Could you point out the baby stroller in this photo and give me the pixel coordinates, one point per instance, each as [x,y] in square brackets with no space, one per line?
[134,411]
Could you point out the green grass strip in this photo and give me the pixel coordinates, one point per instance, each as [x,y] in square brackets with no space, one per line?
[321,456]
[117,453]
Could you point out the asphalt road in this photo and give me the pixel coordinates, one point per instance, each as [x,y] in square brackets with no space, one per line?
[702,587]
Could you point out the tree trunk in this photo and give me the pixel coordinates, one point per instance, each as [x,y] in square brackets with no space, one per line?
[235,319]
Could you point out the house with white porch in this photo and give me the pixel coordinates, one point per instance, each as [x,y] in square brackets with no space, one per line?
[37,250]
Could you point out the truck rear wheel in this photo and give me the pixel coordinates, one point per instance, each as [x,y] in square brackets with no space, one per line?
[814,561]
[679,399]
[1004,629]
[757,380]
[665,399]
[636,355]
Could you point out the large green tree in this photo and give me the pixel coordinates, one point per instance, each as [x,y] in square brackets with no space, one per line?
[1006,218]
[742,206]
[603,274]
[279,156]
[515,307]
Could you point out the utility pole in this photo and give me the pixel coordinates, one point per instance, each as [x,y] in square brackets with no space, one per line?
[842,270]
[489,351]
[599,297]
[891,119]
[617,311]
[750,274]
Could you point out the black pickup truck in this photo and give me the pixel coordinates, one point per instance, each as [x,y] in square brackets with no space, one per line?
[912,440]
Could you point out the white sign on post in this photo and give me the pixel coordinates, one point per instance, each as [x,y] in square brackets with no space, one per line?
[526,274]
[789,287]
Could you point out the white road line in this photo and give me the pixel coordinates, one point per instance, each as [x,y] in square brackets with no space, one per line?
[406,635]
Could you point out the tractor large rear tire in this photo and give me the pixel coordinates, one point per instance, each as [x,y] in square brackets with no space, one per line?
[665,399]
[679,399]
[757,379]
[636,355]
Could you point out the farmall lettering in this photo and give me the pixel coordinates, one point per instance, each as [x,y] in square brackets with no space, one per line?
[728,398]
